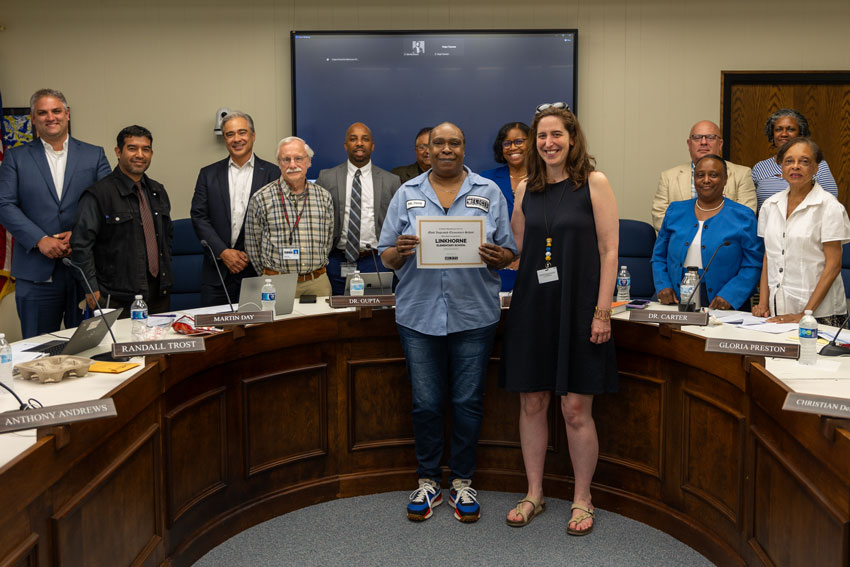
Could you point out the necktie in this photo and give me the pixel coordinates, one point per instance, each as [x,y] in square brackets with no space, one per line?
[352,246]
[150,233]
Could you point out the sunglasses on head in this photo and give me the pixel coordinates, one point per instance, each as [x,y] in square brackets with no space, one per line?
[561,105]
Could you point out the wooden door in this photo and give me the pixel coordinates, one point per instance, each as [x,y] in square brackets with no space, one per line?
[750,97]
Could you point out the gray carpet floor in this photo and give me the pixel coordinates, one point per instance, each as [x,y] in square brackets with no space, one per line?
[374,531]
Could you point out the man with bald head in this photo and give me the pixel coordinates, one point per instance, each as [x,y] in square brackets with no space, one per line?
[361,193]
[677,183]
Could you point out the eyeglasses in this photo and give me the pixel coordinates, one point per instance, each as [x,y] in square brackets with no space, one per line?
[708,137]
[298,160]
[561,105]
[519,142]
[421,147]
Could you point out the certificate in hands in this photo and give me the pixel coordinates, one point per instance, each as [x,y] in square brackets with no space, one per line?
[450,242]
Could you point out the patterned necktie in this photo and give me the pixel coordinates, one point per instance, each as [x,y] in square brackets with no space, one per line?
[150,232]
[352,246]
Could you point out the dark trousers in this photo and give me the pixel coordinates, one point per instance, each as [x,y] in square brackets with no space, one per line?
[43,306]
[453,366]
[213,294]
[365,264]
[156,303]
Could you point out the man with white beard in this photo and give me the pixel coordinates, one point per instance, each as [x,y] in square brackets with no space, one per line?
[290,223]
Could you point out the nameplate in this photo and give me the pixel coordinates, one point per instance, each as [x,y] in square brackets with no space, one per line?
[820,405]
[775,350]
[672,317]
[340,301]
[166,346]
[230,318]
[56,415]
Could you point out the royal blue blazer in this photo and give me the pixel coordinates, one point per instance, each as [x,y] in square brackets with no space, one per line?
[736,270]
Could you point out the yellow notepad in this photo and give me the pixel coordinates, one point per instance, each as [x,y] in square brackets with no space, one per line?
[112,367]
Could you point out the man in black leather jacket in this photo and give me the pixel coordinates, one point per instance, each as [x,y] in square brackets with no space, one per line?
[122,235]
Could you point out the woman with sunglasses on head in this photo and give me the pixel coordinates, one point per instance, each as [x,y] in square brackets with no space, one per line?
[509,149]
[803,228]
[558,332]
[783,125]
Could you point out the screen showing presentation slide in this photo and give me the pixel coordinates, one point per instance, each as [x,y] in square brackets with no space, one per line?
[397,83]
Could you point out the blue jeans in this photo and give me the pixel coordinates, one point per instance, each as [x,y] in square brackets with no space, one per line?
[436,365]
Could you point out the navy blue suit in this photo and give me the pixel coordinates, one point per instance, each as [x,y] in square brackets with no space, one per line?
[31,209]
[211,216]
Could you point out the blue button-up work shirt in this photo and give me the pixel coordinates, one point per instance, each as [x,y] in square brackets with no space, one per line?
[439,302]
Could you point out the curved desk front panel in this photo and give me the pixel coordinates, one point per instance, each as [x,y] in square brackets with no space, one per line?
[276,417]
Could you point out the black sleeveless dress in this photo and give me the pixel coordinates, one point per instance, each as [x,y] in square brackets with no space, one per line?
[547,336]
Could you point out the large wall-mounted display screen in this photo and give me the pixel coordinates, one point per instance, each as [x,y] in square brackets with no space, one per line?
[398,82]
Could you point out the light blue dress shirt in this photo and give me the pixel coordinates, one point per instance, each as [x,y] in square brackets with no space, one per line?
[439,302]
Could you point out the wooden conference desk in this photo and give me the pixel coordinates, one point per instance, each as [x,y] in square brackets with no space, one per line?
[276,417]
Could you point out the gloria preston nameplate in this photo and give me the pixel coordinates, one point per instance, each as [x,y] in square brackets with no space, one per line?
[55,415]
[733,346]
[671,317]
[230,318]
[166,346]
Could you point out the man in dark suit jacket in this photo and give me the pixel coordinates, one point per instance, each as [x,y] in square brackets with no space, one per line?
[219,205]
[40,184]
[376,187]
[423,158]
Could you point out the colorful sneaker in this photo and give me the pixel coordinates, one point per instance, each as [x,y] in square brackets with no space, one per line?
[462,499]
[423,500]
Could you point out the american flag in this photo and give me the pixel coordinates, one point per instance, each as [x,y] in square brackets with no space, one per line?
[7,284]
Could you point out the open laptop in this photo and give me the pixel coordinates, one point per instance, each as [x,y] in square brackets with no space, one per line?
[284,285]
[375,285]
[88,335]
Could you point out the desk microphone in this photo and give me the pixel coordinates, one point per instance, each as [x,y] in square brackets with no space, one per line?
[70,264]
[833,349]
[377,271]
[206,245]
[689,305]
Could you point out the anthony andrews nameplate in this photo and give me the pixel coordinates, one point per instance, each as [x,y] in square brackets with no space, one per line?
[735,346]
[166,346]
[230,318]
[670,317]
[55,415]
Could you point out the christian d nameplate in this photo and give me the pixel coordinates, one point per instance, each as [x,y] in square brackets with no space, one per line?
[166,346]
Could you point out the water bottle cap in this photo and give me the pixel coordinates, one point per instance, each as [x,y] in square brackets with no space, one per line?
[808,311]
[268,280]
[623,267]
[138,297]
[2,335]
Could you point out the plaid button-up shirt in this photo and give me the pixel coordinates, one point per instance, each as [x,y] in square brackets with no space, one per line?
[278,219]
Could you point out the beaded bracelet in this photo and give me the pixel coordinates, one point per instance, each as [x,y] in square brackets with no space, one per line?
[602,314]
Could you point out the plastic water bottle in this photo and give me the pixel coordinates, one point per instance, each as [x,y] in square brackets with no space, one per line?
[358,286]
[624,283]
[688,288]
[5,361]
[268,296]
[139,315]
[808,339]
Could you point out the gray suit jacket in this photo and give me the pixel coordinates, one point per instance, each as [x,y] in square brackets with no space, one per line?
[384,184]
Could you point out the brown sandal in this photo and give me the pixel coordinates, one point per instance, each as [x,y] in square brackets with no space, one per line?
[579,519]
[538,508]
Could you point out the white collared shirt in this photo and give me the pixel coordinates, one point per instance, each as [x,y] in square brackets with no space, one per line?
[367,207]
[794,248]
[239,184]
[57,162]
